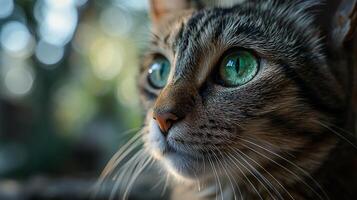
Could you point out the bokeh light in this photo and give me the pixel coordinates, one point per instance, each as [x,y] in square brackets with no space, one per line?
[68,99]
[80,2]
[63,4]
[106,58]
[48,54]
[114,21]
[86,34]
[67,90]
[19,80]
[58,20]
[16,38]
[132,5]
[127,83]
[6,8]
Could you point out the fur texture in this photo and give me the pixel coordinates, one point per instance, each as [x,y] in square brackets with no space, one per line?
[280,136]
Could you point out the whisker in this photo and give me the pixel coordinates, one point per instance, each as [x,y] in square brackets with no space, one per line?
[130,150]
[335,132]
[122,153]
[267,173]
[339,128]
[216,177]
[115,160]
[197,180]
[294,174]
[254,175]
[235,183]
[229,178]
[220,163]
[124,173]
[135,175]
[245,176]
[241,154]
[165,185]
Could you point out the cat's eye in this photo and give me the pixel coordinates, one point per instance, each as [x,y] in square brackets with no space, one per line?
[159,72]
[238,68]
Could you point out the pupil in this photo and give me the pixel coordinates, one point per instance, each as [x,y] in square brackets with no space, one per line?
[237,66]
[162,71]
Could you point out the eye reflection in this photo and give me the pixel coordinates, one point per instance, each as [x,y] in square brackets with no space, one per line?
[238,68]
[159,73]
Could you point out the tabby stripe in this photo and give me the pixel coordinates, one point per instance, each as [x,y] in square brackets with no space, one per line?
[187,56]
[177,38]
[198,4]
[190,26]
[274,18]
[307,93]
[219,28]
[166,39]
[213,16]
[184,42]
[297,154]
[198,28]
[283,122]
[315,141]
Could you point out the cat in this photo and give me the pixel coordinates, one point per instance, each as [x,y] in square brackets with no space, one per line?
[251,101]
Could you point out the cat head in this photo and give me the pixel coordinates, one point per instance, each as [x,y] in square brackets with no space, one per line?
[229,88]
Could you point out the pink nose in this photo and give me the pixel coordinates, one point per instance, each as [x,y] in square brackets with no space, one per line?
[165,121]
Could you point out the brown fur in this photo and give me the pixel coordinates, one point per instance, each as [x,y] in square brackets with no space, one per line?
[265,126]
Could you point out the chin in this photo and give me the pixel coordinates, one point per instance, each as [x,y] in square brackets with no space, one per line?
[180,164]
[182,167]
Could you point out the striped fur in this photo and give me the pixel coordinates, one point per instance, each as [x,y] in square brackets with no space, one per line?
[279,136]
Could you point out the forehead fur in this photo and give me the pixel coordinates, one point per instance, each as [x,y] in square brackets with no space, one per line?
[282,32]
[281,29]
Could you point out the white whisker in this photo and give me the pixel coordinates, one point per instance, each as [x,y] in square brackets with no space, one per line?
[245,176]
[241,154]
[135,175]
[126,149]
[335,132]
[268,174]
[294,174]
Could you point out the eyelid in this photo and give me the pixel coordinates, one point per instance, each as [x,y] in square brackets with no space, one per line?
[235,49]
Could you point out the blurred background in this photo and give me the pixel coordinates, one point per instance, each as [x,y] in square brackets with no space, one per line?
[67,92]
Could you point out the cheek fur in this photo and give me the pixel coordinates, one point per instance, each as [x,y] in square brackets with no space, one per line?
[270,126]
[154,140]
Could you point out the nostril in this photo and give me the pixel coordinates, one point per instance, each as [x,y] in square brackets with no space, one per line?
[165,120]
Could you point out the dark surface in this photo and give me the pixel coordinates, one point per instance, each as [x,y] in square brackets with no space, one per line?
[41,188]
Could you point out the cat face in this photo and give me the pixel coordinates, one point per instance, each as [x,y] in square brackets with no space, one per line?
[232,90]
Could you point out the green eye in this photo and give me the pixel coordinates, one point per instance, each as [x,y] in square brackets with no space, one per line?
[159,72]
[238,68]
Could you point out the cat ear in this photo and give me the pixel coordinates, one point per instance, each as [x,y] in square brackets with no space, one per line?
[344,24]
[159,9]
